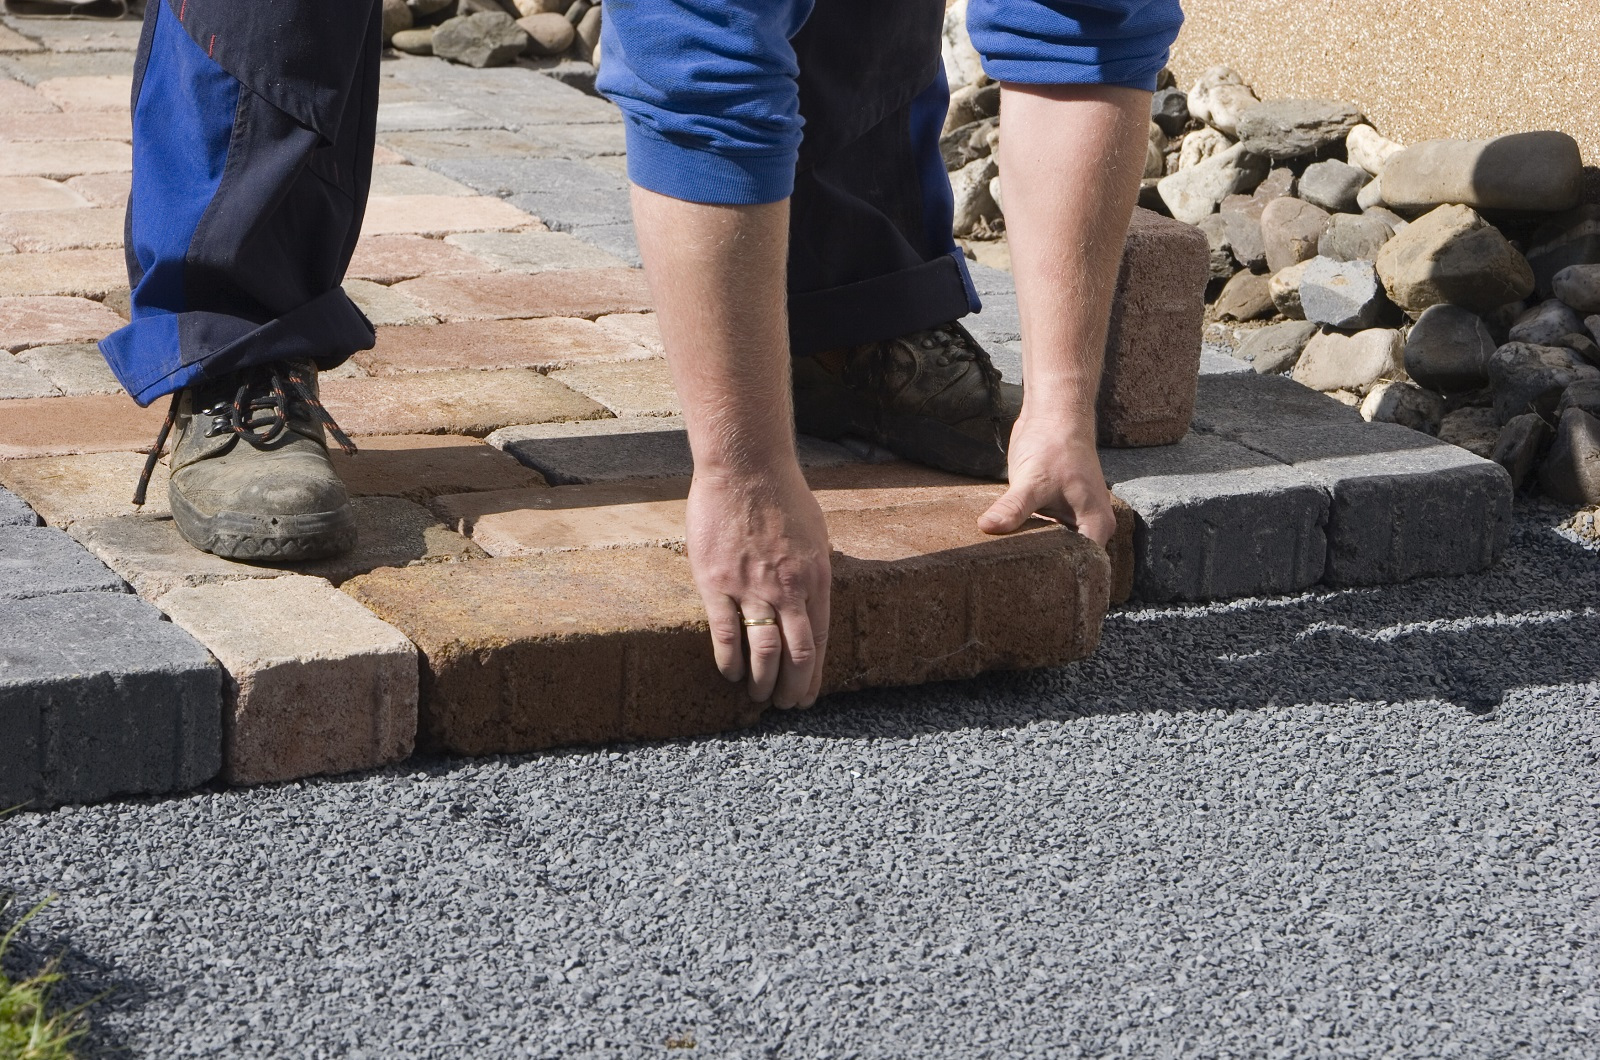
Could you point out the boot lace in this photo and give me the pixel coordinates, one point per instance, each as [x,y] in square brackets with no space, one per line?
[263,406]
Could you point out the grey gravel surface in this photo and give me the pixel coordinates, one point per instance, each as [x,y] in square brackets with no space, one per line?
[1357,824]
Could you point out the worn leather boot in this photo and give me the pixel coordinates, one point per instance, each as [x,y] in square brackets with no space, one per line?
[251,479]
[932,396]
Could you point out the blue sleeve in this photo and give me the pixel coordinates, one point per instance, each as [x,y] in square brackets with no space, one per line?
[1074,42]
[708,95]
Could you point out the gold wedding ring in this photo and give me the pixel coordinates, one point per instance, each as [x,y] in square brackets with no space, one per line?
[748,622]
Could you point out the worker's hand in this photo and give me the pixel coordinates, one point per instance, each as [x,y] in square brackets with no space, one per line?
[759,550]
[1055,472]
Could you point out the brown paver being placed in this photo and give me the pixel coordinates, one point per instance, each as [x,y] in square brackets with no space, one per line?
[545,343]
[317,683]
[468,402]
[585,293]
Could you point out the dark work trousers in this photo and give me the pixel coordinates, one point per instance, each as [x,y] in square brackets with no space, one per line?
[254,126]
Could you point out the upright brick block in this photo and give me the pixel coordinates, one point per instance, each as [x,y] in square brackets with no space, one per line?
[1215,520]
[1403,505]
[1153,347]
[44,561]
[316,683]
[100,697]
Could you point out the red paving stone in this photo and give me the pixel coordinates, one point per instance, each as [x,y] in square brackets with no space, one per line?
[49,321]
[544,344]
[64,426]
[559,293]
[470,402]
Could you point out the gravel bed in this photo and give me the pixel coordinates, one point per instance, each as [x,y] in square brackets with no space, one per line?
[1355,824]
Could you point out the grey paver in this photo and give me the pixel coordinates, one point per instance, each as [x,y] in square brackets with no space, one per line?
[534,251]
[414,180]
[618,239]
[998,322]
[99,697]
[1404,505]
[44,561]
[31,69]
[1216,520]
[507,176]
[425,146]
[19,380]
[14,511]
[1235,403]
[572,210]
[73,369]
[77,35]
[513,97]
[428,114]
[598,139]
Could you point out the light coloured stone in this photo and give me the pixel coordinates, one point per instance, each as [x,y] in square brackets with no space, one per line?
[438,215]
[974,206]
[1540,171]
[1199,145]
[1579,287]
[42,231]
[76,368]
[317,683]
[453,402]
[65,489]
[414,180]
[533,251]
[18,380]
[414,41]
[385,306]
[1406,404]
[88,92]
[103,189]
[548,33]
[1453,255]
[1284,289]
[1351,362]
[38,193]
[642,329]
[962,66]
[1219,97]
[1369,150]
[59,160]
[38,321]
[1195,193]
[1371,196]
[627,388]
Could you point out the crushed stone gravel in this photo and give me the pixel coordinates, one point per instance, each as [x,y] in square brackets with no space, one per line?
[1353,824]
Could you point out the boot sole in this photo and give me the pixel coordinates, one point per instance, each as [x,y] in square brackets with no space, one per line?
[276,539]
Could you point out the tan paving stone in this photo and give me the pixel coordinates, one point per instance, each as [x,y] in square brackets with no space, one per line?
[534,251]
[19,98]
[75,273]
[11,42]
[65,489]
[440,214]
[33,321]
[544,344]
[420,467]
[617,647]
[19,380]
[103,189]
[43,231]
[470,402]
[37,193]
[60,160]
[382,156]
[63,426]
[411,180]
[117,300]
[585,293]
[633,388]
[461,143]
[88,92]
[391,259]
[640,328]
[317,683]
[531,522]
[76,36]
[150,554]
[384,306]
[25,127]
[73,369]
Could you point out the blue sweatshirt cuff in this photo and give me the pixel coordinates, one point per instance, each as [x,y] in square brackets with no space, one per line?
[690,171]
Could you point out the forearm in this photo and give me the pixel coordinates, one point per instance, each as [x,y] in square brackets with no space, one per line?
[717,276]
[1070,157]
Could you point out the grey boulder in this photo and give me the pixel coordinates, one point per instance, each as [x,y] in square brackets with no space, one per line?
[1579,287]
[1474,429]
[1275,348]
[1522,441]
[1222,264]
[1545,324]
[1453,255]
[1333,185]
[1539,171]
[1570,239]
[1531,379]
[1295,128]
[1290,229]
[1332,361]
[488,38]
[1342,294]
[1354,237]
[1448,349]
[1571,471]
[1191,194]
[1169,108]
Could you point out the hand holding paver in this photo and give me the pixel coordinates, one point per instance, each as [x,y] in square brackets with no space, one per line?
[1055,473]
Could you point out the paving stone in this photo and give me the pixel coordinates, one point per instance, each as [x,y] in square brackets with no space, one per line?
[18,98]
[641,329]
[439,215]
[64,489]
[1215,520]
[68,273]
[616,450]
[384,306]
[1241,403]
[35,231]
[72,125]
[1404,505]
[154,558]
[574,211]
[84,35]
[511,176]
[420,467]
[545,343]
[316,682]
[998,323]
[80,72]
[13,511]
[412,180]
[37,193]
[582,141]
[467,402]
[423,148]
[391,259]
[619,647]
[60,160]
[63,426]
[102,189]
[1147,393]
[383,156]
[43,561]
[12,41]
[411,115]
[626,388]
[512,97]
[19,380]
[618,240]
[75,368]
[528,522]
[101,697]
[534,251]
[585,293]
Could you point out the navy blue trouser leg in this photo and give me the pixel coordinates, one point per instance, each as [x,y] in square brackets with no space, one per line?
[253,129]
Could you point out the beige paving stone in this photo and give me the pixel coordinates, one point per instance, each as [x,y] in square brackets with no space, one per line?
[640,328]
[383,156]
[76,368]
[531,522]
[11,42]
[34,321]
[19,98]
[440,215]
[63,426]
[88,92]
[316,682]
[150,554]
[587,293]
[104,189]
[117,300]
[633,388]
[420,467]
[76,273]
[26,127]
[65,489]
[18,380]
[411,180]
[470,402]
[391,259]
[43,231]
[461,143]
[544,344]
[38,193]
[384,306]
[76,36]
[63,159]
[534,251]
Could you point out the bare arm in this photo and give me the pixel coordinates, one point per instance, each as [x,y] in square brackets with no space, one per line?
[757,542]
[1070,157]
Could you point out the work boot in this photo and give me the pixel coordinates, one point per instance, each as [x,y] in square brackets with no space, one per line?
[932,396]
[251,478]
